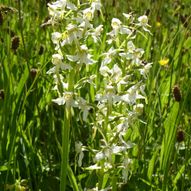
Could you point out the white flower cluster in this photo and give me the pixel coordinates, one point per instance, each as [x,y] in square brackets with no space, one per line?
[71,51]
[118,83]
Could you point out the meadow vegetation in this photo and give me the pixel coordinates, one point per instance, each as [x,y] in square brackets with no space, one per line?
[95,97]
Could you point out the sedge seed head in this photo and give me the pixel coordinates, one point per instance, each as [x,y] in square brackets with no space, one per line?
[180,136]
[177,93]
[41,50]
[15,43]
[1,18]
[33,72]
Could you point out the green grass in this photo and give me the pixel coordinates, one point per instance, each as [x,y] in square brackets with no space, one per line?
[31,135]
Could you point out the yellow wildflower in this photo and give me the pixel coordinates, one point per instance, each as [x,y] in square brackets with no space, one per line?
[164,61]
[158,24]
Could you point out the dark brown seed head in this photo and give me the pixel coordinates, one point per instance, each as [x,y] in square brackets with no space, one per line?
[15,43]
[2,95]
[144,62]
[180,136]
[41,50]
[33,72]
[177,93]
[1,18]
[147,12]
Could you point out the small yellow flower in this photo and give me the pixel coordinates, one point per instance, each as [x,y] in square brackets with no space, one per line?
[158,24]
[164,61]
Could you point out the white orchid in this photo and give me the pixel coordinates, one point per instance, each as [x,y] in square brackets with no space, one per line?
[145,70]
[82,56]
[108,56]
[96,5]
[58,63]
[58,9]
[96,33]
[66,99]
[72,33]
[79,151]
[84,107]
[143,22]
[132,95]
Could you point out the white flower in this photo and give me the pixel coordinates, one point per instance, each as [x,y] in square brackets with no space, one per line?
[73,33]
[96,5]
[108,56]
[117,149]
[82,56]
[142,90]
[82,104]
[130,46]
[116,23]
[104,71]
[57,9]
[93,167]
[66,99]
[97,189]
[116,73]
[127,16]
[96,33]
[84,19]
[104,154]
[57,59]
[138,109]
[109,95]
[59,80]
[125,30]
[99,156]
[132,53]
[137,55]
[118,28]
[132,95]
[58,64]
[56,37]
[145,70]
[79,151]
[126,168]
[123,126]
[88,14]
[107,166]
[143,22]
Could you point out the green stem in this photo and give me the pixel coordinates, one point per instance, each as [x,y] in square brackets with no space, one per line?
[65,148]
[66,136]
